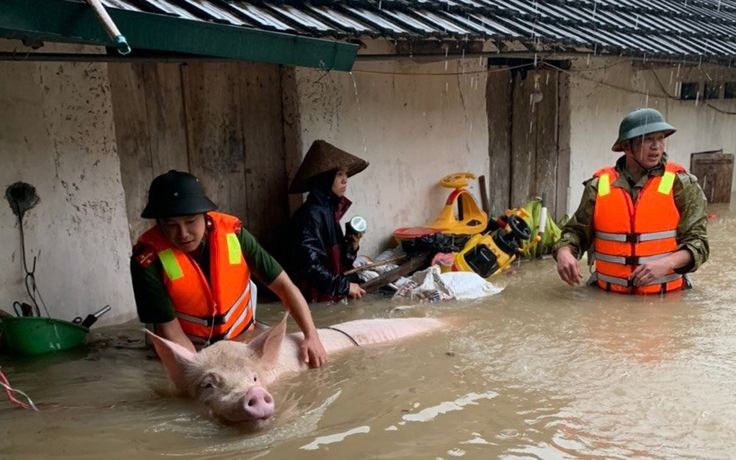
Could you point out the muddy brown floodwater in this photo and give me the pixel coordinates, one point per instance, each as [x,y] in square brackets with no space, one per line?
[540,371]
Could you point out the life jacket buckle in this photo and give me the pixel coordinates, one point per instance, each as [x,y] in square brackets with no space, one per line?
[633,237]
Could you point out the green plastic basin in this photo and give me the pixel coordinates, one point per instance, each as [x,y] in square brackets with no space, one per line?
[34,335]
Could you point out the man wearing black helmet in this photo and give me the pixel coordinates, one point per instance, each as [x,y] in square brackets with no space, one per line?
[192,271]
[643,221]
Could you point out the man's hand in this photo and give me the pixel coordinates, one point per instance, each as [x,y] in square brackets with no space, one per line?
[313,353]
[650,271]
[356,292]
[568,267]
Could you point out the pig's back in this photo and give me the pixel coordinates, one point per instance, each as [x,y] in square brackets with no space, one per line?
[375,331]
[340,337]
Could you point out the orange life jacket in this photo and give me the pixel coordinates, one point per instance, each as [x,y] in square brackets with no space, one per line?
[629,234]
[207,310]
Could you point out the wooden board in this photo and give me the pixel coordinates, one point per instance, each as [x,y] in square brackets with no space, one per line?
[220,121]
[165,109]
[266,200]
[545,172]
[418,262]
[212,109]
[563,145]
[498,109]
[132,135]
[523,141]
[528,142]
[714,171]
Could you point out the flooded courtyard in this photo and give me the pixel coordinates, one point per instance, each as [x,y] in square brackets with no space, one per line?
[539,371]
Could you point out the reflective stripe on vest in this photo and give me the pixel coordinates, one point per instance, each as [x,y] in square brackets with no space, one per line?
[171,265]
[201,341]
[233,249]
[196,340]
[629,283]
[604,185]
[668,180]
[665,186]
[173,269]
[215,320]
[636,237]
[634,260]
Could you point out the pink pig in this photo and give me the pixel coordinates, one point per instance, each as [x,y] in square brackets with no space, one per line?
[230,377]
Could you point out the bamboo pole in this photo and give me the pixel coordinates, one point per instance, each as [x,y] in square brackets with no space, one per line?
[112,30]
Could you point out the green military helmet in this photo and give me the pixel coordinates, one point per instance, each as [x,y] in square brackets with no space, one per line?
[641,122]
[175,194]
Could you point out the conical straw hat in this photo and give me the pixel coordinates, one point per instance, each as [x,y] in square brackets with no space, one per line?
[323,157]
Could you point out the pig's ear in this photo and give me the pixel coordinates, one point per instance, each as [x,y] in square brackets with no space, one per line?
[268,344]
[175,357]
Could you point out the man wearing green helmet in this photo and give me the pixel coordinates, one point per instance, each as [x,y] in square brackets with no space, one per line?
[642,221]
[192,271]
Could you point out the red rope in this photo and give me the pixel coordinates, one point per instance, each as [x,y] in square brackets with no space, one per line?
[9,392]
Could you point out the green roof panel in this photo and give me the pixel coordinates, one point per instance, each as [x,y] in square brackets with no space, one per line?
[75,22]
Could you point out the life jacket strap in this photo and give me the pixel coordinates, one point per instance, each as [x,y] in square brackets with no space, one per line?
[667,279]
[635,237]
[613,280]
[630,260]
[202,341]
[238,301]
[214,320]
[231,332]
[629,283]
[217,319]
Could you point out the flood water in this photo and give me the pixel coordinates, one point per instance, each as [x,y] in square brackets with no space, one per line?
[539,371]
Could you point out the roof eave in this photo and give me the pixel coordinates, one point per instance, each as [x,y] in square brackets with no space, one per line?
[66,21]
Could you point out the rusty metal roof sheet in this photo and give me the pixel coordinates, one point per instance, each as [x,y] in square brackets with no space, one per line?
[672,29]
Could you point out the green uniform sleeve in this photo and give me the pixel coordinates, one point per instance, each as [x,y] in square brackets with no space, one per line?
[264,267]
[692,229]
[577,232]
[151,298]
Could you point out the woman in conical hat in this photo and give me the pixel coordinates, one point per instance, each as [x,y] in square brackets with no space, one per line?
[320,251]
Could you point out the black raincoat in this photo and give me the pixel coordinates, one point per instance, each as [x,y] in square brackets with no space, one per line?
[319,250]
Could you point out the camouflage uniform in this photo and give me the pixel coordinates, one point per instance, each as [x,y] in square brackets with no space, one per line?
[689,199]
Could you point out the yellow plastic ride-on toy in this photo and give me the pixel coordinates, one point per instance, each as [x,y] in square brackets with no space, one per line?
[460,215]
[490,253]
[469,219]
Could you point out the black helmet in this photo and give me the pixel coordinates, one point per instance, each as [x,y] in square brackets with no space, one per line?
[176,194]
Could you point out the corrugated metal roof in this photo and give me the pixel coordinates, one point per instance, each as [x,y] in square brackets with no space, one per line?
[163,29]
[674,29]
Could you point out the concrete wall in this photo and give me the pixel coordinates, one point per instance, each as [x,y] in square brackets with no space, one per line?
[57,133]
[413,121]
[413,126]
[603,91]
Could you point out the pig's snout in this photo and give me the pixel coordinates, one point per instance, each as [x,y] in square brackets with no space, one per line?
[257,403]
